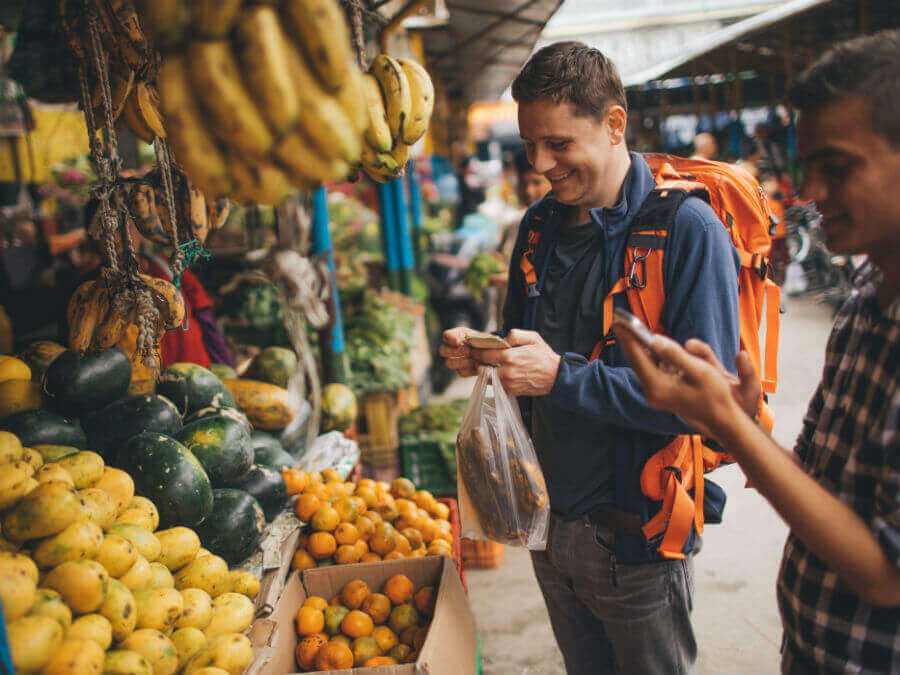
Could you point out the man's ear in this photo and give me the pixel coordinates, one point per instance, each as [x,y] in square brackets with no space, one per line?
[616,122]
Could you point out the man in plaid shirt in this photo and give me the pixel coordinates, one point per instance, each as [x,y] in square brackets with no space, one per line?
[839,585]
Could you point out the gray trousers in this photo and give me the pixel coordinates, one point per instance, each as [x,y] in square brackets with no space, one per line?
[613,618]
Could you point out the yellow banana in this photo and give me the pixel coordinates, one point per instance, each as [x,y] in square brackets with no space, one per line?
[90,306]
[353,99]
[143,208]
[262,50]
[380,166]
[111,328]
[214,18]
[217,211]
[134,120]
[195,212]
[147,101]
[120,87]
[167,299]
[322,119]
[304,163]
[259,183]
[193,146]
[70,23]
[400,153]
[130,39]
[421,90]
[395,87]
[165,20]
[321,30]
[378,133]
[217,78]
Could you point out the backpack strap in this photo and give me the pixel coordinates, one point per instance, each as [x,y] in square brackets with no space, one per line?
[533,238]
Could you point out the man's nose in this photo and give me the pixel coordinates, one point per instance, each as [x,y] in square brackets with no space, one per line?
[813,189]
[542,160]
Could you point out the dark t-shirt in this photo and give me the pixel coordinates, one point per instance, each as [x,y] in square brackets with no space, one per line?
[570,319]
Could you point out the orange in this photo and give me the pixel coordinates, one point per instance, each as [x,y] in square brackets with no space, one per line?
[424,499]
[295,480]
[336,601]
[369,557]
[307,651]
[402,617]
[346,533]
[439,511]
[383,539]
[335,491]
[440,547]
[443,535]
[331,475]
[306,505]
[334,615]
[443,525]
[362,547]
[364,648]
[316,602]
[399,589]
[403,487]
[365,483]
[400,652]
[418,553]
[357,624]
[383,487]
[325,519]
[394,555]
[364,526]
[419,638]
[374,516]
[321,545]
[346,509]
[309,621]
[302,560]
[402,544]
[387,507]
[408,635]
[343,639]
[315,478]
[367,495]
[424,600]
[412,657]
[347,554]
[361,505]
[378,606]
[385,637]
[429,531]
[414,537]
[405,506]
[334,656]
[380,661]
[354,593]
[319,491]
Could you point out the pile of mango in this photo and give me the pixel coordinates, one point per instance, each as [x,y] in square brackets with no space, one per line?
[89,585]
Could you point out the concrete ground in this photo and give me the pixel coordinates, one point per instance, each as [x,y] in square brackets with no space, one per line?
[735,614]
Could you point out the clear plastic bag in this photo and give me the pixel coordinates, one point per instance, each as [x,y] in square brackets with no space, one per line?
[502,494]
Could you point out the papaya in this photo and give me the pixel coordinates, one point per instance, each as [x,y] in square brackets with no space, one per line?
[265,405]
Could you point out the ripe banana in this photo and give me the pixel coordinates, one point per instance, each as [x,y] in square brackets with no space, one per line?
[322,118]
[400,153]
[395,87]
[214,18]
[165,20]
[141,113]
[217,78]
[421,90]
[130,39]
[353,99]
[380,166]
[378,133]
[143,209]
[87,306]
[304,164]
[111,328]
[259,183]
[70,22]
[261,48]
[167,299]
[217,211]
[321,30]
[193,146]
[132,118]
[120,87]
[195,212]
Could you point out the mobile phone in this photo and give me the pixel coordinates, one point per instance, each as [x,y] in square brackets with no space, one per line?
[628,321]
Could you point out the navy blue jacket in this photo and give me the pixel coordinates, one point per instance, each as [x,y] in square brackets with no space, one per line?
[700,273]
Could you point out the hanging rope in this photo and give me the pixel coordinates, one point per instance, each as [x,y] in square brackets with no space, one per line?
[354,13]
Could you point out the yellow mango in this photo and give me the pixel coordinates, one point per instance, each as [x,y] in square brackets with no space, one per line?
[139,576]
[243,582]
[209,573]
[81,583]
[79,541]
[120,609]
[93,627]
[155,647]
[50,603]
[53,472]
[99,507]
[32,640]
[124,662]
[158,608]
[198,609]
[15,482]
[75,656]
[116,554]
[47,509]
[118,484]
[232,613]
[230,652]
[178,547]
[161,576]
[143,539]
[188,642]
[10,447]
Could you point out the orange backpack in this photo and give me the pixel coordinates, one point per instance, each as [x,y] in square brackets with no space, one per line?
[740,203]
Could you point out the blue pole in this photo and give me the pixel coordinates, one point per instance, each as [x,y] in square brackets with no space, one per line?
[6,663]
[321,244]
[404,241]
[389,234]
[415,208]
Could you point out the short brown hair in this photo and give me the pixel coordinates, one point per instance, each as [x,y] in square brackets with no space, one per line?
[574,73]
[866,67]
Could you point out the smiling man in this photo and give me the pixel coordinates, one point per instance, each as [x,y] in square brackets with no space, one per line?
[615,605]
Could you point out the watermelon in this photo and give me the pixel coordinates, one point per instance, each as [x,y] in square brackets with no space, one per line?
[191,388]
[274,365]
[237,528]
[212,411]
[222,446]
[77,384]
[166,473]
[267,486]
[339,409]
[220,370]
[109,428]
[268,451]
[42,427]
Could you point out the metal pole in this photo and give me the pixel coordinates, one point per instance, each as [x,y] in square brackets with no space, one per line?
[389,234]
[334,357]
[415,208]
[404,242]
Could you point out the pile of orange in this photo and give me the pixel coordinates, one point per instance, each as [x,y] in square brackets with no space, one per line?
[367,521]
[359,628]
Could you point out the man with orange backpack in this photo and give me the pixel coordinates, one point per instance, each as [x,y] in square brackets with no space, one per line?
[626,482]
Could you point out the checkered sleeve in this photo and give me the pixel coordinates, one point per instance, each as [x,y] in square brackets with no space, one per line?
[809,423]
[886,521]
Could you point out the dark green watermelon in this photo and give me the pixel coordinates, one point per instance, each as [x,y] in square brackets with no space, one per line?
[274,365]
[236,529]
[222,446]
[42,427]
[191,388]
[220,370]
[109,428]
[213,411]
[267,486]
[79,384]
[276,458]
[167,474]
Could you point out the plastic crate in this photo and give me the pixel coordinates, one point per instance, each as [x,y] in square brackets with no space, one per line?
[457,546]
[482,554]
[429,461]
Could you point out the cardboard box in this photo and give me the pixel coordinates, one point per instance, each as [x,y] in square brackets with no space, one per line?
[450,646]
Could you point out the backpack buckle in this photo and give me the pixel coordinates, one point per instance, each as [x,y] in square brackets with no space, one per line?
[633,280]
[533,291]
[760,265]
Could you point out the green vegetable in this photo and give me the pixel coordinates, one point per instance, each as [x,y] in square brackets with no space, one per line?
[478,274]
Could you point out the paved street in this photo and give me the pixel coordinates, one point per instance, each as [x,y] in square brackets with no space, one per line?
[736,618]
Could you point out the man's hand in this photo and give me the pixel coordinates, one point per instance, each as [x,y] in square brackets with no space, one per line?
[692,383]
[528,368]
[457,354]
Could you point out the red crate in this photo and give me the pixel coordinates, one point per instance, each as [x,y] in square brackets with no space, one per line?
[481,554]
[454,528]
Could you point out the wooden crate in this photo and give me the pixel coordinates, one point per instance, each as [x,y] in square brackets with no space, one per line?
[481,554]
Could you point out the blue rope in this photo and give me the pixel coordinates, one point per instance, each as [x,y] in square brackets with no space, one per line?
[193,251]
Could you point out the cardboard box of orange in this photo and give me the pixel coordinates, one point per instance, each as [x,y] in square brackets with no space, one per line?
[450,646]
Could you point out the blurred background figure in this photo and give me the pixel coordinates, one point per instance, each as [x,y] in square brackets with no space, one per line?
[705,146]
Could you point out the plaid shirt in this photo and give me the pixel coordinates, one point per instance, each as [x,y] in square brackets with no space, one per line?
[850,444]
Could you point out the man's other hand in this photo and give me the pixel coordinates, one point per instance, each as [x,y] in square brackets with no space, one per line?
[528,368]
[456,353]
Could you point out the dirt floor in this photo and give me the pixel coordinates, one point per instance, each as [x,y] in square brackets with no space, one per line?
[735,614]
